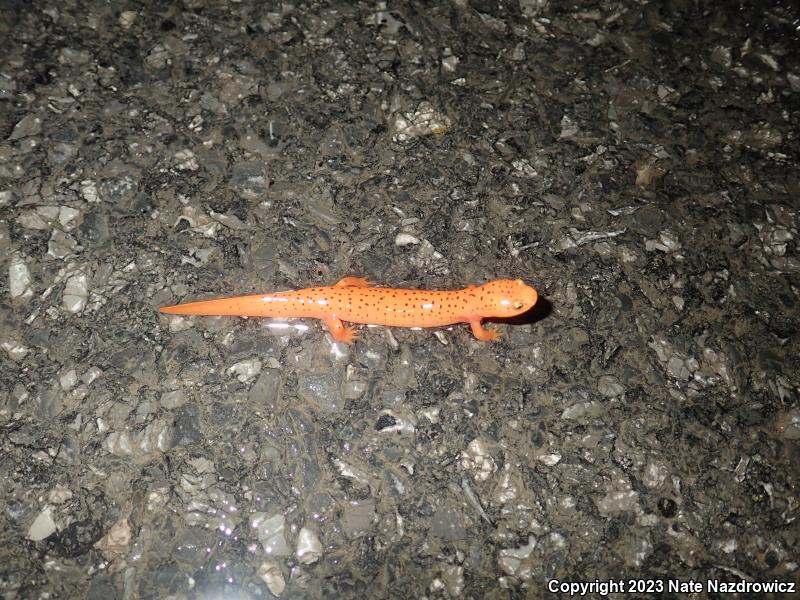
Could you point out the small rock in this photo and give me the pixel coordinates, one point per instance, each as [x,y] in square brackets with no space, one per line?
[116,541]
[127,18]
[322,390]
[580,410]
[569,128]
[266,390]
[43,526]
[508,486]
[392,422]
[249,181]
[59,494]
[89,191]
[185,160]
[60,246]
[68,217]
[229,220]
[476,458]
[515,561]
[15,350]
[654,474]
[617,501]
[118,443]
[309,548]
[68,380]
[677,368]
[425,120]
[245,370]
[270,532]
[270,573]
[156,437]
[68,56]
[198,221]
[551,460]
[31,219]
[76,292]
[405,239]
[173,399]
[19,279]
[28,126]
[788,424]
[610,387]
[91,374]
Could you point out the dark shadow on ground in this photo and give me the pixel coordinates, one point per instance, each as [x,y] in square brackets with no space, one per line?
[540,311]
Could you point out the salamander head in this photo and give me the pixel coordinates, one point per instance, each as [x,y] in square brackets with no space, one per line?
[506,297]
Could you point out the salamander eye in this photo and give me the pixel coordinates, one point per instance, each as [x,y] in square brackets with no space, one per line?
[518,305]
[519,282]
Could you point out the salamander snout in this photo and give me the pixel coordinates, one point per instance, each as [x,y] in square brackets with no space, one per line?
[507,297]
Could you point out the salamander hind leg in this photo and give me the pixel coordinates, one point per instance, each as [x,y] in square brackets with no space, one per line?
[339,331]
[483,334]
[350,281]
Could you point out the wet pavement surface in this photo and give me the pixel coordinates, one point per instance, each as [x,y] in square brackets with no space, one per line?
[637,163]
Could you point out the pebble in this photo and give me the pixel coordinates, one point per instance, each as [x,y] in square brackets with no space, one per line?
[550,460]
[89,191]
[270,532]
[322,390]
[514,561]
[425,120]
[788,424]
[91,374]
[155,437]
[127,18]
[245,370]
[579,410]
[270,573]
[476,458]
[172,399]
[28,126]
[68,217]
[76,293]
[19,279]
[68,380]
[118,443]
[617,501]
[43,526]
[15,350]
[309,548]
[59,494]
[405,239]
[117,540]
[610,386]
[654,474]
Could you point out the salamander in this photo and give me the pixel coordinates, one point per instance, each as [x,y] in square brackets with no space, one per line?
[357,300]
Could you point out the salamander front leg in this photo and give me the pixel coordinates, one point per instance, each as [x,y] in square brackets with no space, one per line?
[339,331]
[483,334]
[351,281]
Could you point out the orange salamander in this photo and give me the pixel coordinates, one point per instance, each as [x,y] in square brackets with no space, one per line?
[356,300]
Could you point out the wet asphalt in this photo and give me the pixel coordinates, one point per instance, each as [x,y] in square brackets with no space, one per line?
[638,430]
